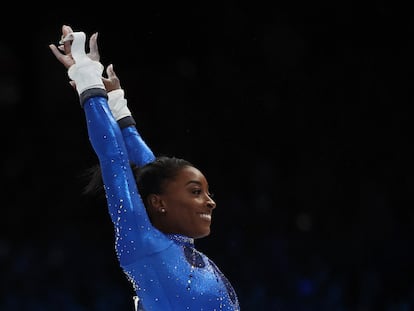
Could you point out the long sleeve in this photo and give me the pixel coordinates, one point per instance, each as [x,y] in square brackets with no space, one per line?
[138,151]
[134,234]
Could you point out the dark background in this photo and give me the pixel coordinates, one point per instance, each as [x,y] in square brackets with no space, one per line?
[299,114]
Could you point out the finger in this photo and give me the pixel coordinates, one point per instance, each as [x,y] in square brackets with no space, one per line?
[110,71]
[106,81]
[66,29]
[66,60]
[93,47]
[67,44]
[56,52]
[109,84]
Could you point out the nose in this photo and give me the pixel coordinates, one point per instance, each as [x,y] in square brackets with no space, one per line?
[210,202]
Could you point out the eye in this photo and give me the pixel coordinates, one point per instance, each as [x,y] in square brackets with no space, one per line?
[197,191]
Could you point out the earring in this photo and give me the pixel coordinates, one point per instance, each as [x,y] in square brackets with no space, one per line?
[162,210]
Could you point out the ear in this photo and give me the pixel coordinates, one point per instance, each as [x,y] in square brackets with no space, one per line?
[155,201]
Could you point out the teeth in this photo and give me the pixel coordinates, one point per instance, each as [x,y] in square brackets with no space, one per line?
[206,216]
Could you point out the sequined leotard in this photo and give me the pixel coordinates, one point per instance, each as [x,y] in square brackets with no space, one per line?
[166,271]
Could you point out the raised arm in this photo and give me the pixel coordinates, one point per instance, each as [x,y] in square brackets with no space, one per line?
[138,151]
[132,227]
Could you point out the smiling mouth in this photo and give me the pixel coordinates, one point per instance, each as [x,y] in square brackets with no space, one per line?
[206,216]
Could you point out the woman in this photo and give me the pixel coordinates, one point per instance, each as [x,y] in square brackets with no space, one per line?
[158,206]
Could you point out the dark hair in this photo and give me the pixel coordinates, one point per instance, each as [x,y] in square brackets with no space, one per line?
[149,178]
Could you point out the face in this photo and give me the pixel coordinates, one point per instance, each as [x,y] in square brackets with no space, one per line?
[187,205]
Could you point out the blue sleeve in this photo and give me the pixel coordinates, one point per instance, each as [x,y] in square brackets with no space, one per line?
[138,151]
[135,236]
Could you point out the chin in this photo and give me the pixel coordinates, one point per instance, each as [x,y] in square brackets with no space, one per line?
[202,234]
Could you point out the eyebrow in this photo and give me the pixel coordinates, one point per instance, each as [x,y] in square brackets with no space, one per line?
[193,182]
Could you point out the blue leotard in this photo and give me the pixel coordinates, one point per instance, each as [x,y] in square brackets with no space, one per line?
[166,271]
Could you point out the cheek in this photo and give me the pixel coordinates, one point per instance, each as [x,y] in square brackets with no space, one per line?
[180,202]
[183,212]
[178,208]
[185,208]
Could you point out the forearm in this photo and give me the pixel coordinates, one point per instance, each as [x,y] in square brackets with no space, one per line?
[104,133]
[138,151]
